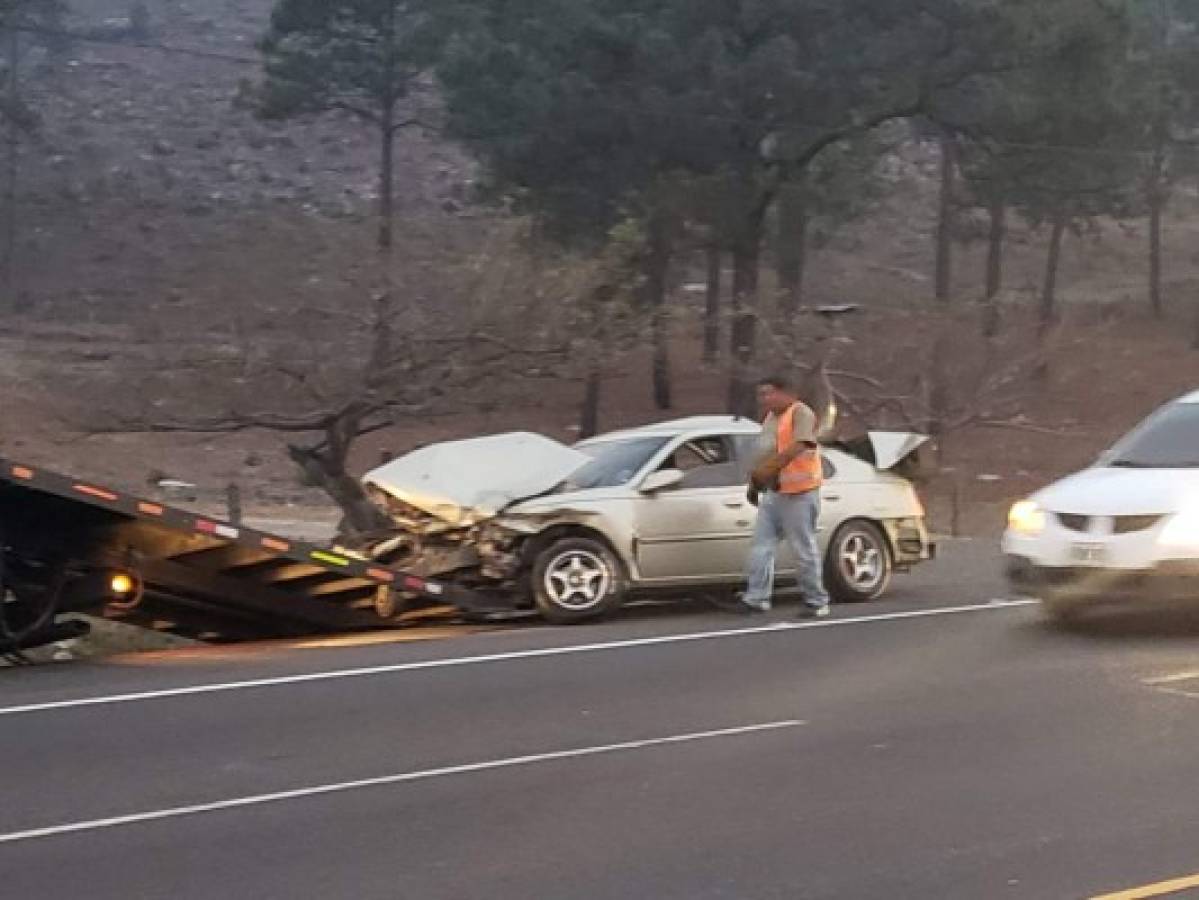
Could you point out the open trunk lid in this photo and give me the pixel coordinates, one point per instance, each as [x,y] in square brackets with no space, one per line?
[890,451]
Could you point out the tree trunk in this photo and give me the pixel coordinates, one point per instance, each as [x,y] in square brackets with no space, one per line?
[712,306]
[663,394]
[1049,290]
[326,468]
[746,258]
[1157,206]
[995,245]
[387,126]
[792,251]
[1155,260]
[937,390]
[8,284]
[657,267]
[589,413]
[387,181]
[945,220]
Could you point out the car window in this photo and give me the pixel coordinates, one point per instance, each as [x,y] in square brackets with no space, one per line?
[705,462]
[613,463]
[1169,439]
[746,451]
[718,475]
[745,448]
[708,451]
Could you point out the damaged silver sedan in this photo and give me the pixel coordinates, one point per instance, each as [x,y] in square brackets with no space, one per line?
[577,531]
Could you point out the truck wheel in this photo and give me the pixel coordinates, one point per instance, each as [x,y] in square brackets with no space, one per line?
[577,579]
[1061,612]
[858,565]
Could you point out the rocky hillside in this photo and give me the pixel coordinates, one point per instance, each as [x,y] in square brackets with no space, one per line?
[147,176]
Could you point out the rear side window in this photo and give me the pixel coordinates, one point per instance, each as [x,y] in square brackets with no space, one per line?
[745,449]
[830,471]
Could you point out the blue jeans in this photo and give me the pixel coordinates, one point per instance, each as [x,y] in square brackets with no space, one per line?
[794,517]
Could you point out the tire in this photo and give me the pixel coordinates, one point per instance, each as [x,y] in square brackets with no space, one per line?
[858,565]
[1062,613]
[576,580]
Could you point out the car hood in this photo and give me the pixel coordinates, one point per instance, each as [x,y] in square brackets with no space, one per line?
[463,482]
[1117,492]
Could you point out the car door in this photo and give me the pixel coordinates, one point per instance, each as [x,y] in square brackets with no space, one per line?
[831,506]
[699,531]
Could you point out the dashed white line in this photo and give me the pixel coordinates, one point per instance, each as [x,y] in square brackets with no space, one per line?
[540,653]
[1189,675]
[388,780]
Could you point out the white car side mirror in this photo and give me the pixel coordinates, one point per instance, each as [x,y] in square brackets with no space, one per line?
[661,480]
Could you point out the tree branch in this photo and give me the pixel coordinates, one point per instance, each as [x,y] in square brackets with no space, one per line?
[409,123]
[354,109]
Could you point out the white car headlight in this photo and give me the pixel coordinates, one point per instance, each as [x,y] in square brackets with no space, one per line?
[1182,531]
[1026,518]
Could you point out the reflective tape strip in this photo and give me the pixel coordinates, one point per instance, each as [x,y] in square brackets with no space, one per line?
[228,531]
[150,509]
[276,545]
[98,493]
[205,526]
[381,575]
[331,559]
[25,474]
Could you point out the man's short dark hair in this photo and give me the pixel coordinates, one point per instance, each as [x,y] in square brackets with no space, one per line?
[778,382]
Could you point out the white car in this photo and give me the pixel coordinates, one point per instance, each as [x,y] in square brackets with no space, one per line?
[1125,530]
[577,530]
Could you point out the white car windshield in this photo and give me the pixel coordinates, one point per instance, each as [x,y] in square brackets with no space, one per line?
[1169,439]
[613,463]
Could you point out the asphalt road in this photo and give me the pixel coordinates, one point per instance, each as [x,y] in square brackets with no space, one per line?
[936,745]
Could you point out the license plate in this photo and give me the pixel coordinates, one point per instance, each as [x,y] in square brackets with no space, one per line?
[1089,554]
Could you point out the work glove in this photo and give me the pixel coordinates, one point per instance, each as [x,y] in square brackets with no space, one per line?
[766,473]
[751,494]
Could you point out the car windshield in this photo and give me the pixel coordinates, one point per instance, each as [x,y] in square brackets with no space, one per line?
[613,463]
[1169,439]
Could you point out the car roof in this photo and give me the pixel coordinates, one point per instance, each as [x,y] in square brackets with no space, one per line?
[685,426]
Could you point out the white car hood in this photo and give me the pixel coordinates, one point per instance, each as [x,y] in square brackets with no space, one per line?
[1123,492]
[463,482]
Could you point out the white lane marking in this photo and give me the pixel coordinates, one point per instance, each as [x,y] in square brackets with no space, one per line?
[1171,679]
[500,657]
[386,780]
[1174,692]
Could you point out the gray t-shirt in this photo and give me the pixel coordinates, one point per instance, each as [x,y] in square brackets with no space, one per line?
[804,425]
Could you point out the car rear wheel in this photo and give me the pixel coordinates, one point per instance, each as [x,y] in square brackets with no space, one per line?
[858,563]
[577,579]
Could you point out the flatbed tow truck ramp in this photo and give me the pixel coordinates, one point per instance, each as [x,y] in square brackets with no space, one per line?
[70,545]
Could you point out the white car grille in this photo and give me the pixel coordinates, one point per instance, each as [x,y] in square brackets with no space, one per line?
[1119,524]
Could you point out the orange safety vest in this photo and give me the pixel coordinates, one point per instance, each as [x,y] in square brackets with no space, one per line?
[806,472]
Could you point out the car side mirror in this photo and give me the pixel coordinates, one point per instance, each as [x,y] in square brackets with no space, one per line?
[661,480]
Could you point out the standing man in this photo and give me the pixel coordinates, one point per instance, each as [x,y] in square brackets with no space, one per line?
[785,486]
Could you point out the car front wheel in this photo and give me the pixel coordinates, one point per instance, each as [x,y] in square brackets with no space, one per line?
[576,579]
[858,564]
